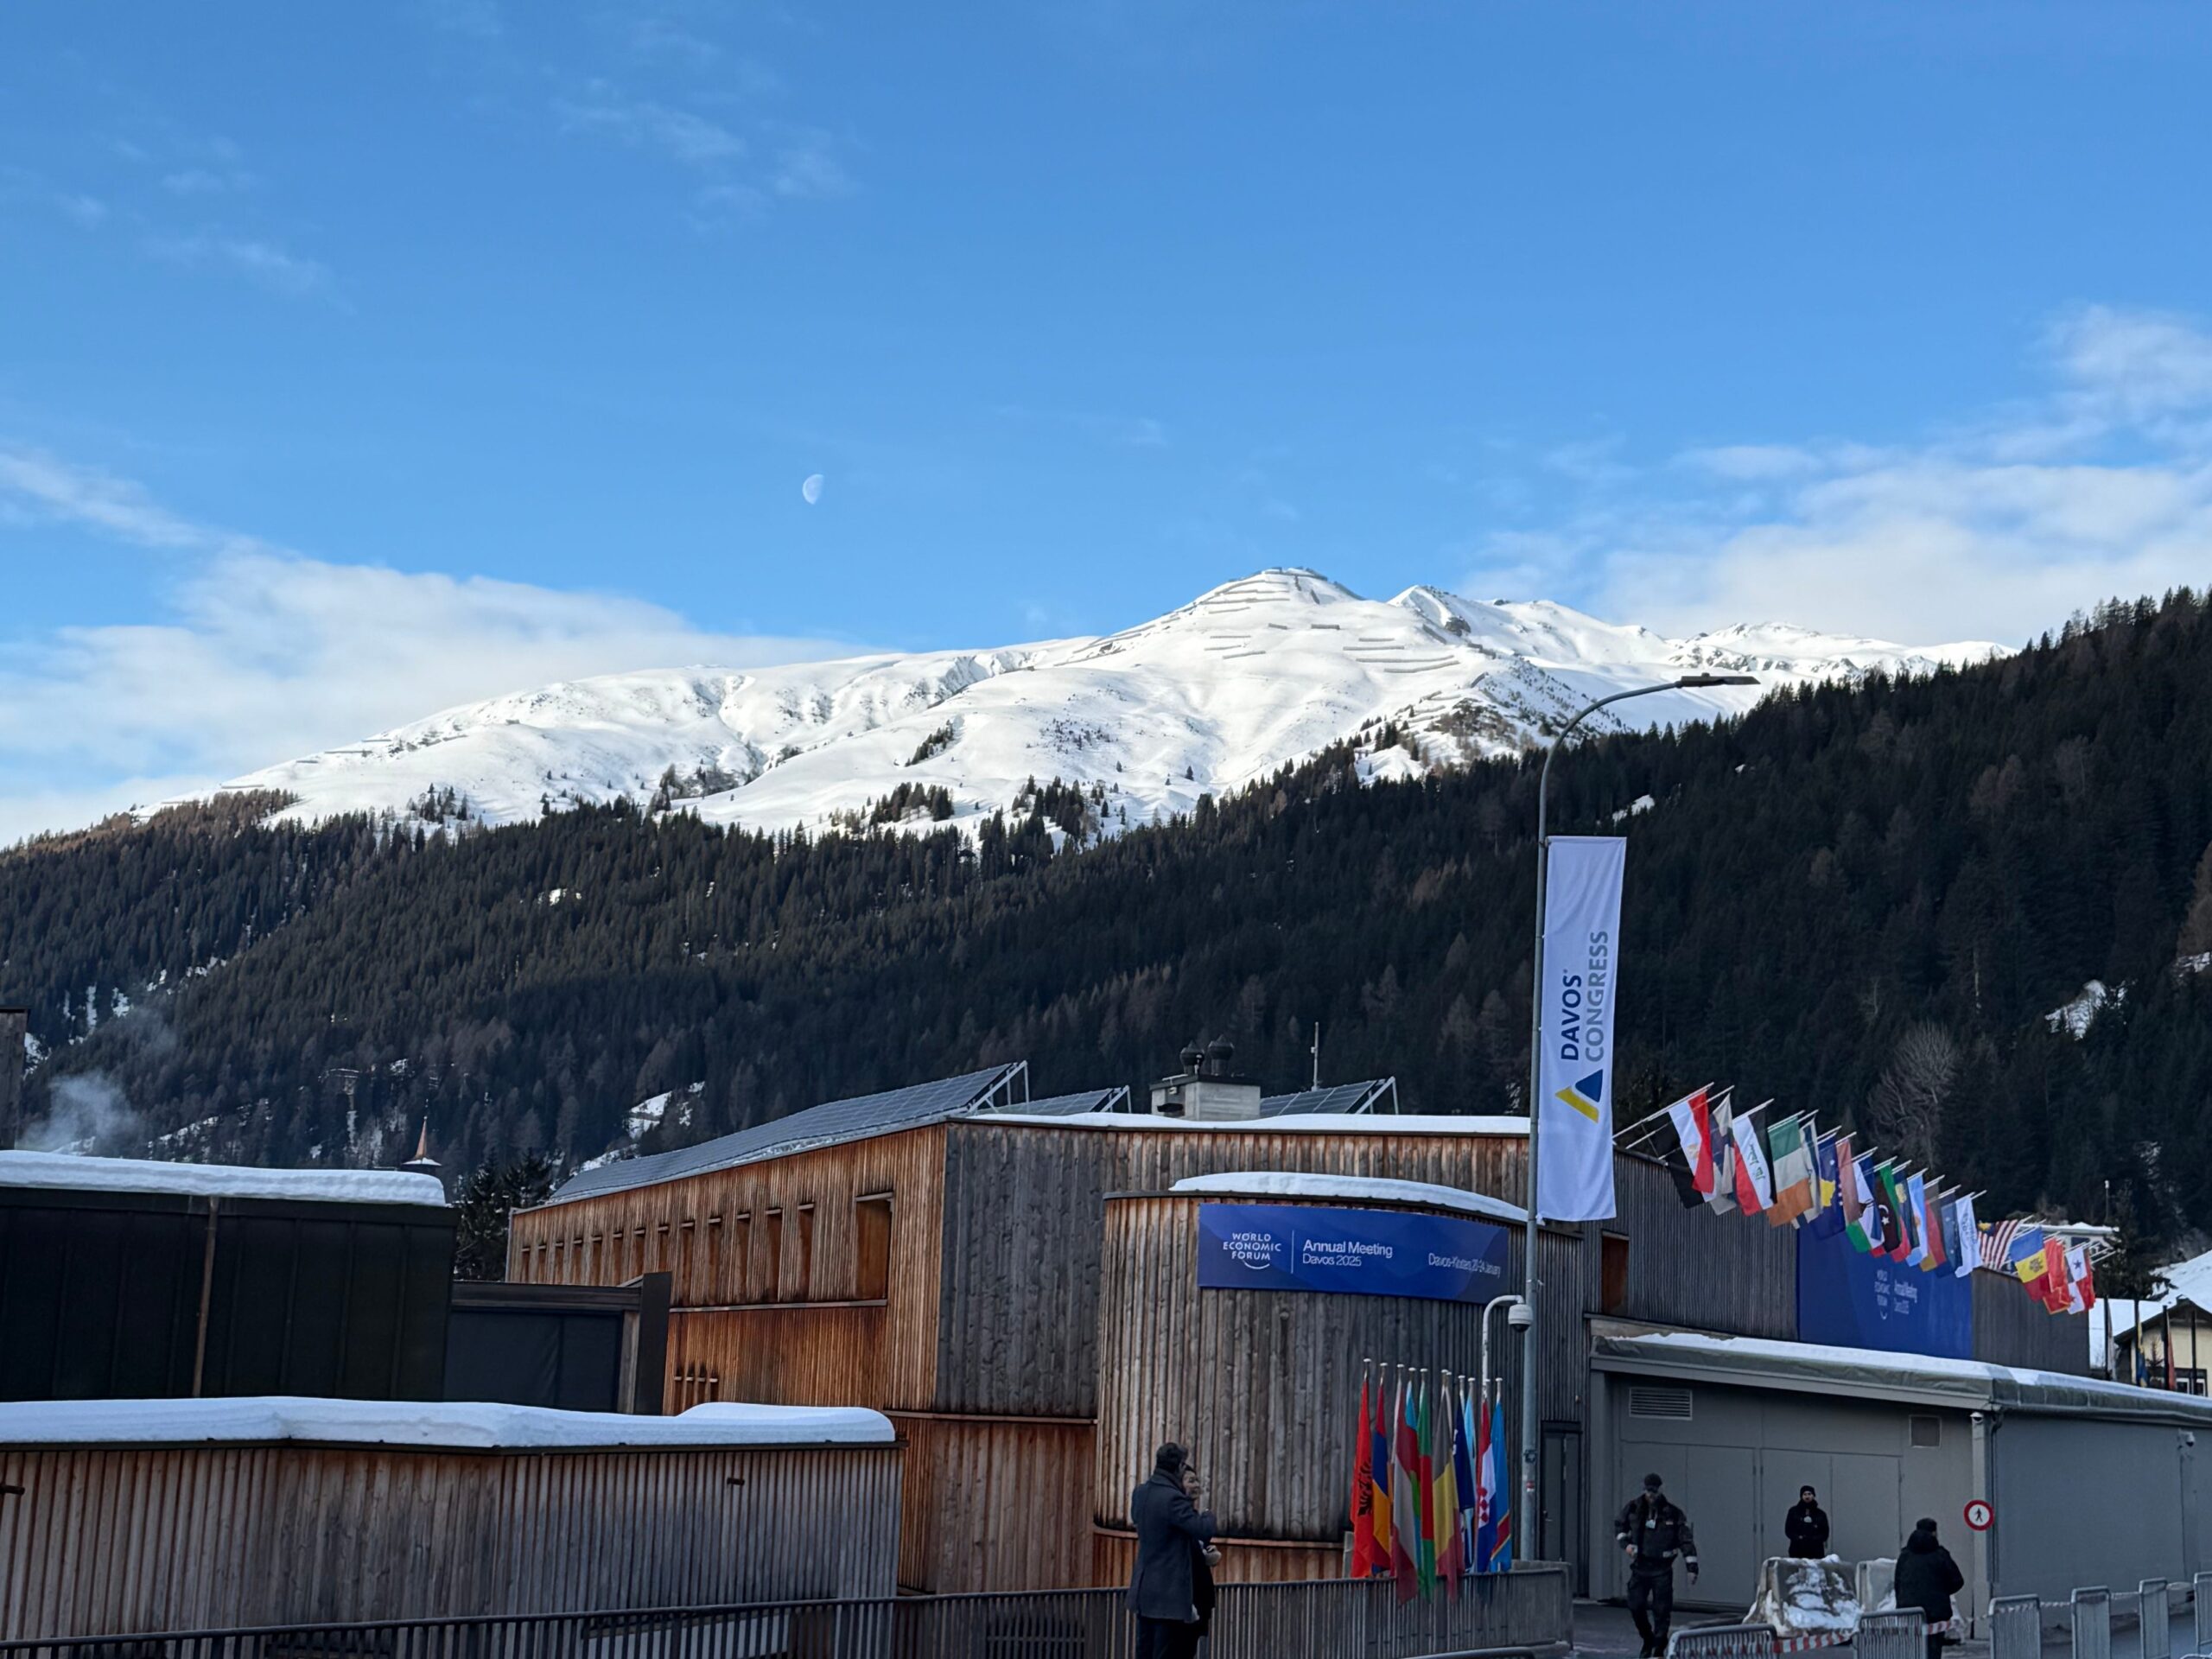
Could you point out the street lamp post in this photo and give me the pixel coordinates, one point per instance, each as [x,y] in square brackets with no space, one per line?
[1530,1543]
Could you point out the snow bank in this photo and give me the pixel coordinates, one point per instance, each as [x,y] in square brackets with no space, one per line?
[1806,1597]
[1291,1183]
[49,1169]
[458,1426]
[1301,1123]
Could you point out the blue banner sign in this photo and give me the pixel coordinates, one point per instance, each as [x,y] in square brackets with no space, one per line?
[1351,1252]
[1848,1300]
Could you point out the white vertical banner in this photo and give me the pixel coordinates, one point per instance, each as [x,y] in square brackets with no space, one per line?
[1574,1089]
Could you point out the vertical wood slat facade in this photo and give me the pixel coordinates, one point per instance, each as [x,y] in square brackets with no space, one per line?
[986,1347]
[118,1540]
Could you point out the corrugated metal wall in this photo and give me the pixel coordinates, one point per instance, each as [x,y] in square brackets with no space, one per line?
[741,1273]
[994,1504]
[108,1541]
[1263,1386]
[2011,1328]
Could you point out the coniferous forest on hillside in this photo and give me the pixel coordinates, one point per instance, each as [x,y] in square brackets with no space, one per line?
[1866,900]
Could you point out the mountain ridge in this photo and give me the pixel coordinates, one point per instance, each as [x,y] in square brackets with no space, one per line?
[1255,674]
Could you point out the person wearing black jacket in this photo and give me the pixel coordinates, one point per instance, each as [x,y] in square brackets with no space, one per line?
[1163,1589]
[1927,1577]
[1652,1532]
[1806,1528]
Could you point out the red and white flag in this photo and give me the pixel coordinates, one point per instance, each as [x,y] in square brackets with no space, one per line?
[1692,1120]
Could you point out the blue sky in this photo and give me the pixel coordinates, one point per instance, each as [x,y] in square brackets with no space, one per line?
[358,360]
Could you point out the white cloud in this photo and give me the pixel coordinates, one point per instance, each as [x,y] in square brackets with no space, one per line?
[806,170]
[1997,529]
[679,134]
[260,262]
[259,654]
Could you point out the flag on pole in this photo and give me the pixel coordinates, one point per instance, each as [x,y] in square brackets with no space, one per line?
[1405,1505]
[1463,1474]
[1831,1159]
[1914,1191]
[1450,1547]
[1378,1473]
[1501,1553]
[1754,1180]
[1861,1221]
[1968,1256]
[2058,1294]
[1931,1209]
[1692,1120]
[1363,1490]
[1794,1171]
[1891,1199]
[1723,1197]
[1574,1094]
[2025,1255]
[1946,1229]
[2085,1282]
[1486,1492]
[1425,1484]
[1997,1245]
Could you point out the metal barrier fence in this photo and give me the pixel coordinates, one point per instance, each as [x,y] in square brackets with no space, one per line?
[1722,1641]
[2092,1624]
[1900,1635]
[2154,1619]
[2015,1628]
[2202,1584]
[1338,1618]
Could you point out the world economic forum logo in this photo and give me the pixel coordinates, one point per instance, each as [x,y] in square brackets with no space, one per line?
[1586,1095]
[1255,1248]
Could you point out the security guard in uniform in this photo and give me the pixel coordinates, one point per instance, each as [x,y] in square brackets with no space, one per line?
[1653,1532]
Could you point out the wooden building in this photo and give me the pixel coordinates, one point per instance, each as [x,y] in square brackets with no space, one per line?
[121,1517]
[1005,1280]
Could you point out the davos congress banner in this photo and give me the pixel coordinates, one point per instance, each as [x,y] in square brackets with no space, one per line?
[1350,1252]
[1848,1300]
[1575,1087]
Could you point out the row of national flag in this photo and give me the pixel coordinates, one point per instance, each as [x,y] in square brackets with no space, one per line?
[1429,1499]
[1793,1174]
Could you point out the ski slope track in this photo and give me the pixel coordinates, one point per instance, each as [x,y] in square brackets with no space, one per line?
[1244,679]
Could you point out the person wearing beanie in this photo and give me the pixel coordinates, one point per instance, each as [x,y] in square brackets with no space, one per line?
[1927,1577]
[1807,1527]
[1652,1531]
[1163,1587]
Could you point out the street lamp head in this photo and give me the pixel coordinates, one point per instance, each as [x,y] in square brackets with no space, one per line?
[1699,682]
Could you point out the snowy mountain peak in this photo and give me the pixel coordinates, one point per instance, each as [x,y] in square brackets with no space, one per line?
[1247,677]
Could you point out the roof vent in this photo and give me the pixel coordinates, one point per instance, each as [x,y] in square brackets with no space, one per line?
[1672,1405]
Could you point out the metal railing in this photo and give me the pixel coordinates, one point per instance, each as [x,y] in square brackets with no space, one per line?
[2154,1614]
[1335,1618]
[1722,1641]
[2015,1628]
[1899,1635]
[2202,1587]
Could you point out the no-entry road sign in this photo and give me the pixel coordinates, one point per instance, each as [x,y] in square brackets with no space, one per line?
[1980,1516]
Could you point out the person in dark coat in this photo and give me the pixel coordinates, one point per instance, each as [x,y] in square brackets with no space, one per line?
[1927,1577]
[1807,1527]
[1163,1589]
[1653,1531]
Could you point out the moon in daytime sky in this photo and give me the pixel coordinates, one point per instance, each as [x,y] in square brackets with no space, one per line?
[813,488]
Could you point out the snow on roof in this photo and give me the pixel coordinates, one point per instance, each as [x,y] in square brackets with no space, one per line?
[1271,1183]
[53,1169]
[1818,1367]
[458,1426]
[1311,1123]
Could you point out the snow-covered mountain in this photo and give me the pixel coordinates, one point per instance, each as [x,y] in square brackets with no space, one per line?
[1205,699]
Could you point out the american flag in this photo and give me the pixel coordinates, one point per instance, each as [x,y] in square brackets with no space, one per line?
[1997,1239]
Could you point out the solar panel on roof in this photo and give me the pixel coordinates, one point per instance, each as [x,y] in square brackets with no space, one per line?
[836,1120]
[1091,1100]
[1337,1097]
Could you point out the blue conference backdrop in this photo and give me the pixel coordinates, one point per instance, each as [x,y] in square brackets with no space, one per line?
[1349,1252]
[1848,1300]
